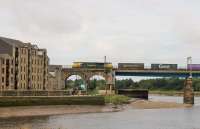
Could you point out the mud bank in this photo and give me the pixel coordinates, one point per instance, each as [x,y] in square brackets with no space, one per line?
[144,104]
[25,111]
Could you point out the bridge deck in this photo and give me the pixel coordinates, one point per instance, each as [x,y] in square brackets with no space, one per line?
[157,73]
[145,72]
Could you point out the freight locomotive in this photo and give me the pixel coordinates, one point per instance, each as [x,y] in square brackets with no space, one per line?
[92,65]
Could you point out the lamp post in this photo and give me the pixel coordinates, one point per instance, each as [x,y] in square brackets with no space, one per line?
[189,67]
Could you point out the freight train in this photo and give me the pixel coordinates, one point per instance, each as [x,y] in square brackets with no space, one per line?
[132,66]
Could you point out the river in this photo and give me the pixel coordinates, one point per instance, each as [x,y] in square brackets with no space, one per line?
[186,118]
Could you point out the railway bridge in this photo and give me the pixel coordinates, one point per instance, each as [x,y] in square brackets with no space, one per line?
[87,74]
[110,75]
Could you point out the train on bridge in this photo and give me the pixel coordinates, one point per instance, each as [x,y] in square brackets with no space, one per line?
[92,65]
[132,66]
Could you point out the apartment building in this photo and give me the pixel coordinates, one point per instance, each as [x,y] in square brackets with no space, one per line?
[30,64]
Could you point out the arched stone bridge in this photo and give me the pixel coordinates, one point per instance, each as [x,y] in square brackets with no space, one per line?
[87,74]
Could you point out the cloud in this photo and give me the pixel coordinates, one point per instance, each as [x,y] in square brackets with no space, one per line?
[125,31]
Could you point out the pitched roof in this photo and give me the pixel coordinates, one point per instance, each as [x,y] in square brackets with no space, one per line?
[12,42]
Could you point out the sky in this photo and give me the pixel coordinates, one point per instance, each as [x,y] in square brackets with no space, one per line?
[149,31]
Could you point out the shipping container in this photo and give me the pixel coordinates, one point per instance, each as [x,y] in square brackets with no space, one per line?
[164,66]
[193,67]
[131,66]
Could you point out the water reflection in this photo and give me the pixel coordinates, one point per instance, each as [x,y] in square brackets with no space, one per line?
[23,122]
[187,118]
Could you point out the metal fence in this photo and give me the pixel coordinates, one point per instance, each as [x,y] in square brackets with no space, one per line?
[34,93]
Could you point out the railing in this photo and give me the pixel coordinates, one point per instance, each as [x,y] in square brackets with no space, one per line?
[34,93]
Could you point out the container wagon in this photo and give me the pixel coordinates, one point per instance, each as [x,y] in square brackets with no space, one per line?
[131,66]
[194,67]
[164,66]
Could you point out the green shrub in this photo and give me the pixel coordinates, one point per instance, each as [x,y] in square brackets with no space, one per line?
[117,99]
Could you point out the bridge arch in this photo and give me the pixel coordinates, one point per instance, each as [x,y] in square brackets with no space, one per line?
[97,81]
[76,76]
[96,74]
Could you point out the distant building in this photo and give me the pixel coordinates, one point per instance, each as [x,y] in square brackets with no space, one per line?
[56,81]
[28,62]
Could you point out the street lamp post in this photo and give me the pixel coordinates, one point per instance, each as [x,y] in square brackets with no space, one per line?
[189,67]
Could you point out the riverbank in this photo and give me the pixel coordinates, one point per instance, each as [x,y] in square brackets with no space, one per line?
[144,104]
[30,111]
[171,93]
[26,111]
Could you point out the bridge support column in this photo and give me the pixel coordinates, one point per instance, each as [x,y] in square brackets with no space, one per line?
[110,83]
[86,85]
[188,92]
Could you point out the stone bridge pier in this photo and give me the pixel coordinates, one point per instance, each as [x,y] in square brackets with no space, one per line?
[188,97]
[86,75]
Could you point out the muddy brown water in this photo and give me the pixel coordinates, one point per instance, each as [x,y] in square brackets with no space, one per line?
[184,118]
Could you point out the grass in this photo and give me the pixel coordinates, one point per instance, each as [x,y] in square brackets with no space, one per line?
[35,101]
[117,99]
[93,92]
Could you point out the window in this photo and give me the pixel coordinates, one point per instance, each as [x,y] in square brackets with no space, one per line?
[12,71]
[2,79]
[3,70]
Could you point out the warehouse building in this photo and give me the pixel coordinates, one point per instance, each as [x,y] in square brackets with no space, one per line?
[23,65]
